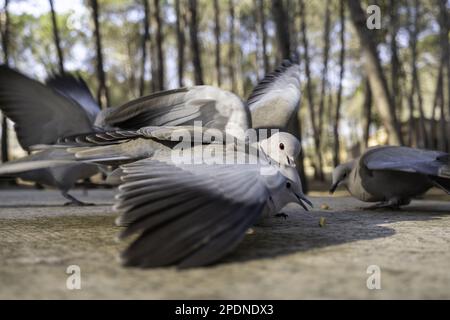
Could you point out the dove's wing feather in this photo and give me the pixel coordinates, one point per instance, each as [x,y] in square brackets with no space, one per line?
[75,88]
[188,215]
[113,147]
[40,113]
[216,108]
[166,133]
[406,159]
[276,98]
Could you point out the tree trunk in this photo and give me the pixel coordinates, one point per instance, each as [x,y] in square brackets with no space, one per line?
[309,92]
[291,11]
[231,52]
[415,86]
[444,26]
[195,45]
[179,26]
[145,39]
[102,92]
[153,52]
[375,74]
[262,27]
[367,118]
[326,51]
[436,103]
[56,38]
[5,47]
[282,27]
[159,45]
[180,41]
[217,37]
[337,115]
[443,141]
[395,61]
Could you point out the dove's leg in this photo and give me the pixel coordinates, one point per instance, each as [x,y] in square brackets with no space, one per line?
[74,201]
[393,204]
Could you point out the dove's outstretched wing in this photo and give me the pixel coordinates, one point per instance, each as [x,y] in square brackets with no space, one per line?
[75,88]
[276,98]
[215,108]
[40,114]
[187,215]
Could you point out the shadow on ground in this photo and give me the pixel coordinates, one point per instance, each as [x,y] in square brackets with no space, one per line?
[301,230]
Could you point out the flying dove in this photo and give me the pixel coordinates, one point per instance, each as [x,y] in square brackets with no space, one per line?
[42,113]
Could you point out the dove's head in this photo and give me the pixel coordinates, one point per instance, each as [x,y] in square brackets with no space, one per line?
[282,147]
[292,190]
[341,174]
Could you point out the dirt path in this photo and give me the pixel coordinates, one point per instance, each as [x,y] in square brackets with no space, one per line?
[282,259]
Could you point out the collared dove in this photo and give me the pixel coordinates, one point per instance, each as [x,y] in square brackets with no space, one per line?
[41,114]
[193,214]
[192,211]
[392,175]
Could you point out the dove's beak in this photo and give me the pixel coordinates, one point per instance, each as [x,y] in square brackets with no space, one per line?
[302,200]
[290,161]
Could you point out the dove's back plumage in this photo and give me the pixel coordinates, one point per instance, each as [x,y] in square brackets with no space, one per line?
[395,174]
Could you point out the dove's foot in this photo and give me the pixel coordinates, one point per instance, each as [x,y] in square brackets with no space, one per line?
[74,201]
[281,215]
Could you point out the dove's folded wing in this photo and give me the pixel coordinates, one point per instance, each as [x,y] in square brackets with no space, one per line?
[119,146]
[406,159]
[187,215]
[166,133]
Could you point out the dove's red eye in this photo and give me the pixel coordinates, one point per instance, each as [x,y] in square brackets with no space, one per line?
[288,185]
[281,146]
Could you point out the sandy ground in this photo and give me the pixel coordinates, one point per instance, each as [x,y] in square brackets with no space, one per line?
[291,258]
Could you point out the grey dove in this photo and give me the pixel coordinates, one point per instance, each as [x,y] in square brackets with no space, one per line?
[195,213]
[192,215]
[392,175]
[42,113]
